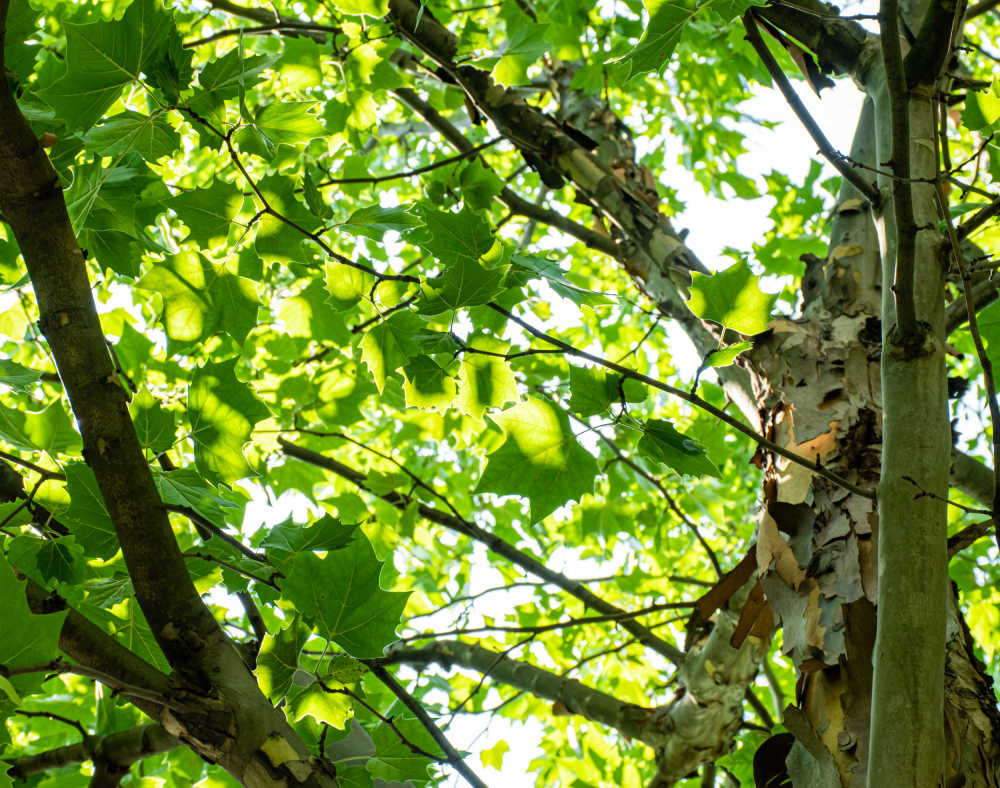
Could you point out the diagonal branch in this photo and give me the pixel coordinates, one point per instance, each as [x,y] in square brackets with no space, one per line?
[652,247]
[452,756]
[495,544]
[31,200]
[825,147]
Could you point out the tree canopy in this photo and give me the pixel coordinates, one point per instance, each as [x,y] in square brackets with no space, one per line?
[362,387]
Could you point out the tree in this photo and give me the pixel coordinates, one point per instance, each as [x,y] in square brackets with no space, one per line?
[406,269]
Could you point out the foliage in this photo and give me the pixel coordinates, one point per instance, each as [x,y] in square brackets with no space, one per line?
[288,260]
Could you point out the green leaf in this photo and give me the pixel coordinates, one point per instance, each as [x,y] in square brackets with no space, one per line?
[464,283]
[426,385]
[87,515]
[727,355]
[154,424]
[223,76]
[479,185]
[326,708]
[453,238]
[188,317]
[540,460]
[18,377]
[340,595]
[103,57]
[236,303]
[593,391]
[982,109]
[389,345]
[375,221]
[556,278]
[662,443]
[289,122]
[667,21]
[148,135]
[285,540]
[186,487]
[27,639]
[368,7]
[45,560]
[732,298]
[394,758]
[52,431]
[528,42]
[222,412]
[279,658]
[485,381]
[208,212]
[312,314]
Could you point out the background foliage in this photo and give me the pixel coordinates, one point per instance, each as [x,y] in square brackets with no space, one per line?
[285,254]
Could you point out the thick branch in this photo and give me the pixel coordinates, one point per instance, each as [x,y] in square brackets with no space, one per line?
[31,200]
[931,51]
[650,244]
[972,476]
[902,205]
[956,314]
[839,43]
[120,750]
[633,721]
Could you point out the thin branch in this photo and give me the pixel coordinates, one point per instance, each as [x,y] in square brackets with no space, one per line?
[276,27]
[417,171]
[538,629]
[45,473]
[214,530]
[690,398]
[452,756]
[515,202]
[121,749]
[825,147]
[495,544]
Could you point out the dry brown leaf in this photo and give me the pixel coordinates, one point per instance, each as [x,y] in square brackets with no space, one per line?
[845,250]
[773,549]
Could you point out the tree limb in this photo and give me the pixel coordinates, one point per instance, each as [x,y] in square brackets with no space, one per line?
[120,749]
[633,721]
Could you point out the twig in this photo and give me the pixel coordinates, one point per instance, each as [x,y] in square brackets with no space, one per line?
[43,472]
[538,629]
[211,527]
[471,152]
